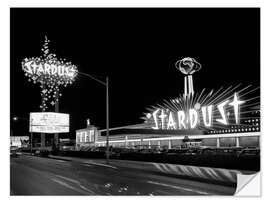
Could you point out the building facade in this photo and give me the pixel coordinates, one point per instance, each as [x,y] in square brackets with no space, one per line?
[228,117]
[140,136]
[86,137]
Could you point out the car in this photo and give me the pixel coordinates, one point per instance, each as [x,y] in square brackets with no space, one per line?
[14,152]
[249,152]
[190,152]
[42,153]
[67,148]
[145,151]
[173,151]
[116,152]
[128,150]
[220,150]
[100,149]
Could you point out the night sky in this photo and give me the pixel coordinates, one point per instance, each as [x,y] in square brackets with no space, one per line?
[137,48]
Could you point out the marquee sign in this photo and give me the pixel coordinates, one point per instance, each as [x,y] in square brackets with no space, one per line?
[50,73]
[49,122]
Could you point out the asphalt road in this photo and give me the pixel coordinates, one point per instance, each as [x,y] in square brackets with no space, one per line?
[31,175]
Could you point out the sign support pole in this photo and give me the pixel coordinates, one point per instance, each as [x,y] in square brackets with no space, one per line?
[56,135]
[42,135]
[31,146]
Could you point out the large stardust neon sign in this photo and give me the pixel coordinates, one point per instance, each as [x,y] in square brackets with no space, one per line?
[50,72]
[189,119]
[202,110]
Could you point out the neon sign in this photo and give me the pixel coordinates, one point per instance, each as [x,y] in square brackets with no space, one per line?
[192,117]
[50,73]
[216,109]
[38,68]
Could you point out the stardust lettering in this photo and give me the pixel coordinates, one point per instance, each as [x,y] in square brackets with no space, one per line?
[35,68]
[191,119]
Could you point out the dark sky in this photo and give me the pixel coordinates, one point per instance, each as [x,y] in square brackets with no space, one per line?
[137,49]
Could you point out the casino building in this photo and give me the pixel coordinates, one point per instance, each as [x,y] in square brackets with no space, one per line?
[134,136]
[228,117]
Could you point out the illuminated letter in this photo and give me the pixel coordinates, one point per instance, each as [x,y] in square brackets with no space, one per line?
[39,69]
[155,119]
[60,70]
[171,123]
[222,113]
[66,70]
[193,118]
[53,69]
[70,71]
[209,112]
[27,67]
[35,68]
[181,119]
[235,103]
[47,68]
[162,117]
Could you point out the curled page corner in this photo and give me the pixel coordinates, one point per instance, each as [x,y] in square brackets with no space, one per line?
[248,185]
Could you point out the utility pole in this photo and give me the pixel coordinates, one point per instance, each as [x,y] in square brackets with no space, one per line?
[106,84]
[107,120]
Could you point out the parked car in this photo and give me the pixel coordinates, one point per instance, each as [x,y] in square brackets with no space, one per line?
[249,152]
[100,149]
[128,150]
[145,151]
[173,151]
[42,153]
[116,151]
[190,151]
[14,152]
[67,147]
[221,150]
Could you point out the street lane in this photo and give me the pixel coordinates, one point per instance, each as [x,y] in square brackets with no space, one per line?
[43,176]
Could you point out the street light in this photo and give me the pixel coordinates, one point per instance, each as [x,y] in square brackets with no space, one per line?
[106,84]
[16,118]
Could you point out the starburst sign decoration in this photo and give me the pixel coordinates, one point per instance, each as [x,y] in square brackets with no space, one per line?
[202,110]
[50,73]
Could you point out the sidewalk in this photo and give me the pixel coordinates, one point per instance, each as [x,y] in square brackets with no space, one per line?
[218,175]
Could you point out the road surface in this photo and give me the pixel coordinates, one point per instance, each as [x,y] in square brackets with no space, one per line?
[31,175]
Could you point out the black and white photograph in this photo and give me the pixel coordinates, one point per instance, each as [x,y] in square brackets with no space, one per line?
[134,101]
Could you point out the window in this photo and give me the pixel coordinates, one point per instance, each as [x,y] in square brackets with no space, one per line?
[87,136]
[82,137]
[78,137]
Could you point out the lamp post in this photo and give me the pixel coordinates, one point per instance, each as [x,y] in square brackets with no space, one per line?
[106,84]
[15,118]
[31,133]
[107,119]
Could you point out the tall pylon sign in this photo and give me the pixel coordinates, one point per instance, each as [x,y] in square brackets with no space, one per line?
[221,109]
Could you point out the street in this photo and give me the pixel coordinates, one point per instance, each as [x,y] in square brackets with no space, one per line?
[31,175]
